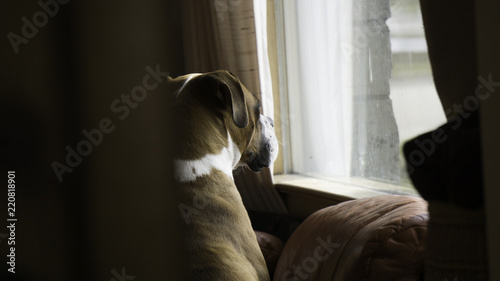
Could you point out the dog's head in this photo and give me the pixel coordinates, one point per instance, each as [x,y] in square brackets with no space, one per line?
[240,112]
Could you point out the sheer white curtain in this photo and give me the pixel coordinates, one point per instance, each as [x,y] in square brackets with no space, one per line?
[266,96]
[319,74]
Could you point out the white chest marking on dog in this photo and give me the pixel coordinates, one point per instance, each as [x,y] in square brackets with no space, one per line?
[191,76]
[225,161]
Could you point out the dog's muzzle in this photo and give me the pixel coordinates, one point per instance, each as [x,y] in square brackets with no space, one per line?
[267,151]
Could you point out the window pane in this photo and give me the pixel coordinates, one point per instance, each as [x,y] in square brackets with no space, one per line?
[359,84]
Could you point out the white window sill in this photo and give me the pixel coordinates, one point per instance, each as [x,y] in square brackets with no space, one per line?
[338,189]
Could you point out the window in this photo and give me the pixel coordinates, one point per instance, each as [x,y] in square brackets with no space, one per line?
[355,85]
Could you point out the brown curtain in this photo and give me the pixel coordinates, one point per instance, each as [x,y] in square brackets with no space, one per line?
[450,177]
[221,34]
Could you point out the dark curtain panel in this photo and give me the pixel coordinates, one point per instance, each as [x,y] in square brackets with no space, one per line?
[85,128]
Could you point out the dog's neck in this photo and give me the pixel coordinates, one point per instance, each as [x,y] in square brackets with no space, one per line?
[225,161]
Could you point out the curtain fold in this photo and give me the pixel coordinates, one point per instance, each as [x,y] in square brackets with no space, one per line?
[451,41]
[221,34]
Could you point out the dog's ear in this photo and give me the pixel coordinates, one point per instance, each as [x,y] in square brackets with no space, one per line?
[230,91]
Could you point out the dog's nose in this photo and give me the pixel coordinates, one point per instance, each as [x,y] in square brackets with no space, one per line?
[270,120]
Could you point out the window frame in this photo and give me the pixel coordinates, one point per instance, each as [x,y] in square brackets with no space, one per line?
[371,186]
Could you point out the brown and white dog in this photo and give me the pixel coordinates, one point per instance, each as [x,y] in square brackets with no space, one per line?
[219,128]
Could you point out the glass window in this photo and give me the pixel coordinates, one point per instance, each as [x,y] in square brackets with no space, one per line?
[357,84]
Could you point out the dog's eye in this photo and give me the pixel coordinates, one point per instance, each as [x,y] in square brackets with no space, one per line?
[258,108]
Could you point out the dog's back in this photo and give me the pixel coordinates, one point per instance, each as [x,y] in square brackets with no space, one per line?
[219,236]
